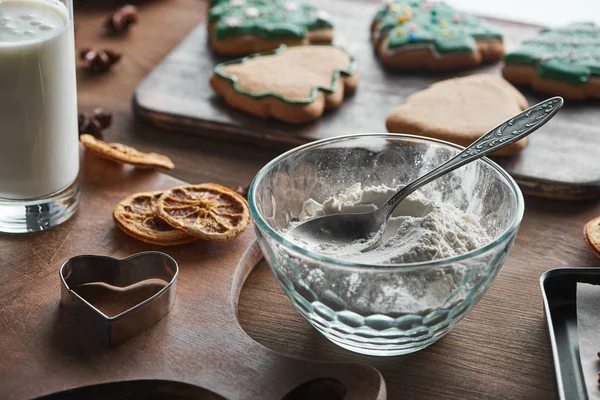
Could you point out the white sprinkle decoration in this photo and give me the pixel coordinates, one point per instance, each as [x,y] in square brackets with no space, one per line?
[290,6]
[232,22]
[252,12]
[323,15]
[237,3]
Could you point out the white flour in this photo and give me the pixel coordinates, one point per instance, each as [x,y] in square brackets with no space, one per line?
[419,229]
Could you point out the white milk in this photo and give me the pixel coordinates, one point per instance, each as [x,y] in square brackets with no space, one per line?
[39,150]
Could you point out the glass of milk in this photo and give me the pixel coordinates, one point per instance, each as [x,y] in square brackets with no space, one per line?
[39,150]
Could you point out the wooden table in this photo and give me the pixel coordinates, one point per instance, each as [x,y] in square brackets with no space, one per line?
[500,350]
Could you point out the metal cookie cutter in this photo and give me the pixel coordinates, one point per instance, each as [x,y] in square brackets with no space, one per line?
[120,273]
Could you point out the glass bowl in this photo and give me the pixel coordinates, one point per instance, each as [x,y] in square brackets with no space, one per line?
[382,309]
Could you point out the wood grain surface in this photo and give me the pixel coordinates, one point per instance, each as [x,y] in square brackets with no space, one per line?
[499,351]
[199,342]
[177,96]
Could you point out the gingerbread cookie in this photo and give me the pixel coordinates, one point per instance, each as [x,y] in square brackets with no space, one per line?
[412,34]
[591,234]
[136,216]
[460,110]
[563,61]
[293,84]
[241,27]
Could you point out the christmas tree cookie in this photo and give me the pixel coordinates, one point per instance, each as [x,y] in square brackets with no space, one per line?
[293,84]
[563,61]
[412,34]
[460,110]
[240,27]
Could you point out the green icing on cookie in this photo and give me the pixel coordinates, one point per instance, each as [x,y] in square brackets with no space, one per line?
[419,22]
[570,54]
[335,79]
[267,19]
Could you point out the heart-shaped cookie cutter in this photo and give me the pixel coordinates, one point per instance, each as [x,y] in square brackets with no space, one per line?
[139,267]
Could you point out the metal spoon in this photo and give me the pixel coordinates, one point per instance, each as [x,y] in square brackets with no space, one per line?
[365,230]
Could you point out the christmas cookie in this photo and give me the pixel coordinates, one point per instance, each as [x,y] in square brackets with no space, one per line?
[412,34]
[591,234]
[563,61]
[293,84]
[240,27]
[460,110]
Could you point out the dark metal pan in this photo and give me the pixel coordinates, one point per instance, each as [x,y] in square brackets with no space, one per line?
[559,288]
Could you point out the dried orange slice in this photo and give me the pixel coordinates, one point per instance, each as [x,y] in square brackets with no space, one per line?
[124,154]
[136,216]
[208,211]
[591,234]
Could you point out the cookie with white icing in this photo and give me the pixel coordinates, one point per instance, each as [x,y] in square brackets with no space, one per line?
[414,34]
[563,61]
[460,110]
[241,27]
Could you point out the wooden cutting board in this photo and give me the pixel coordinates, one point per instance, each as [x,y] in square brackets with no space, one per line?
[197,351]
[561,160]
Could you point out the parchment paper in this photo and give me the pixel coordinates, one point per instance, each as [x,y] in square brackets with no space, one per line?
[588,327]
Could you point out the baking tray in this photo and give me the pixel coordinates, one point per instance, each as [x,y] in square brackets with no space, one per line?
[559,288]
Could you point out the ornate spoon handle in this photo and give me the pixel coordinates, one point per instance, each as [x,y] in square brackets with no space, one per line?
[504,134]
[514,129]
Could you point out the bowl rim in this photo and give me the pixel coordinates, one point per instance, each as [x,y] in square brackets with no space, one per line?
[264,226]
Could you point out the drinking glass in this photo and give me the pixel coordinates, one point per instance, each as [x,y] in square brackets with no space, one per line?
[39,150]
